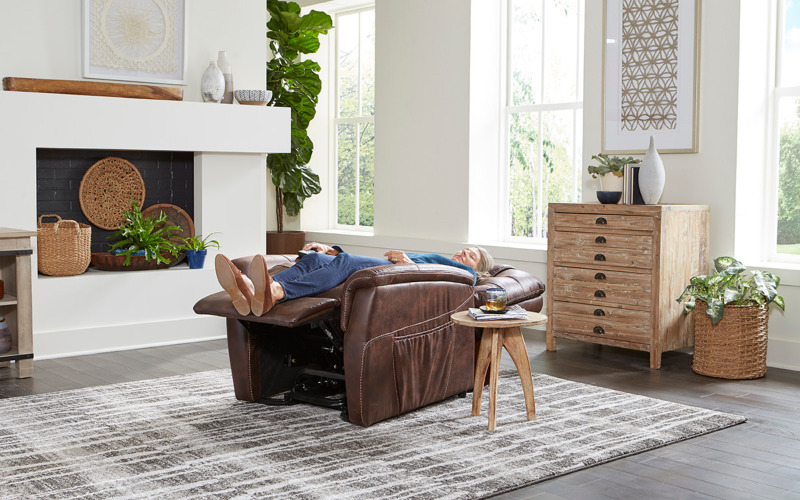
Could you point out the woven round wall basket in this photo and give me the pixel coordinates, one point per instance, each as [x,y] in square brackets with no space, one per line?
[107,189]
[734,348]
[63,247]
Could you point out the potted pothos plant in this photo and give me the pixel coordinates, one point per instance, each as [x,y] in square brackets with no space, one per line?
[196,248]
[610,169]
[295,84]
[143,238]
[731,311]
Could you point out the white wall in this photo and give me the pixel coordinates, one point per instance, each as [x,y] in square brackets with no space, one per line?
[42,39]
[428,139]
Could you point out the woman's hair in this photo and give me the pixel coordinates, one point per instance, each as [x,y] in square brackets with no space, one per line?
[486,263]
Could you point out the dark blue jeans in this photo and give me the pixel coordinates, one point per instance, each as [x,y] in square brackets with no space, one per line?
[318,272]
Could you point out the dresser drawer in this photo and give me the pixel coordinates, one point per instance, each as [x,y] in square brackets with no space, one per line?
[599,313]
[599,242]
[600,293]
[629,326]
[568,221]
[601,277]
[635,259]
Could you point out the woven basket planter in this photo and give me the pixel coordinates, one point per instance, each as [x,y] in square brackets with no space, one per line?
[63,247]
[734,348]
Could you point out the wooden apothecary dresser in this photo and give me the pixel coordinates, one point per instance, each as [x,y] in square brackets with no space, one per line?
[614,272]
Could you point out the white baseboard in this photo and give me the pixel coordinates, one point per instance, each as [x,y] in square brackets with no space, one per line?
[62,343]
[784,354]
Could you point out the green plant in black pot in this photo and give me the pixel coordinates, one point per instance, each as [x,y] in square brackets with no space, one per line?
[141,235]
[729,285]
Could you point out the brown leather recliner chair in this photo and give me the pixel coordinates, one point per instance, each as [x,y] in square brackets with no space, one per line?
[376,346]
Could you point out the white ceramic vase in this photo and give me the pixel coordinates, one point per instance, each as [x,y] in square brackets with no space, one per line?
[227,74]
[212,86]
[651,175]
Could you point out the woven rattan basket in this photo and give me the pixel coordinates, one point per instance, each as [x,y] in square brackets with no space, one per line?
[734,348]
[64,247]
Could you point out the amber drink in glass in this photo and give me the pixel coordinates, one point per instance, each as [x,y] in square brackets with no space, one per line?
[496,299]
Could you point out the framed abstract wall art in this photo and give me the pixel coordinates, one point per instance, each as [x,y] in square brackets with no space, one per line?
[650,75]
[135,40]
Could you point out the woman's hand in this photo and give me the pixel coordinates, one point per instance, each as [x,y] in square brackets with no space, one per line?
[320,247]
[398,257]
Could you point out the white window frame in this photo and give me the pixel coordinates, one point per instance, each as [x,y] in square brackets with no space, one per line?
[770,250]
[507,108]
[336,121]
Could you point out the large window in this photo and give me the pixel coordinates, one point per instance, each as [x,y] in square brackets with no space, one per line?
[354,121]
[787,106]
[543,111]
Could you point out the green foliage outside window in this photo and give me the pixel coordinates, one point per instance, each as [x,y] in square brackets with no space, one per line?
[789,188]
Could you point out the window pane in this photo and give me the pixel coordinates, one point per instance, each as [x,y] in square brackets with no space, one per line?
[559,178]
[790,68]
[789,177]
[542,169]
[346,173]
[347,40]
[523,150]
[368,63]
[562,51]
[366,174]
[525,51]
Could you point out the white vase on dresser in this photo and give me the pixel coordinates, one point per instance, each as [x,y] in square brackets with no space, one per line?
[651,175]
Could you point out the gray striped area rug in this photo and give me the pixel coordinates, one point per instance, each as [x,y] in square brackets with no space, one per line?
[188,437]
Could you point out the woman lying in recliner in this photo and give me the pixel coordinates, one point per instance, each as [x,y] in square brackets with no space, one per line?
[320,270]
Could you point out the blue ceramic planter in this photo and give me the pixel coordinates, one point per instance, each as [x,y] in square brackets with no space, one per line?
[196,258]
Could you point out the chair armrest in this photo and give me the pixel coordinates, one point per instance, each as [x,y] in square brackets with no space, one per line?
[521,286]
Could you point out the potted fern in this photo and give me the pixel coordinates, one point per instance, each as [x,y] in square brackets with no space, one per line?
[196,248]
[140,243]
[731,311]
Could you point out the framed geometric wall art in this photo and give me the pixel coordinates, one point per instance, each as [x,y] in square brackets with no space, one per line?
[650,75]
[135,40]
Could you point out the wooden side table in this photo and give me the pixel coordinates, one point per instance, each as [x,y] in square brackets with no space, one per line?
[496,335]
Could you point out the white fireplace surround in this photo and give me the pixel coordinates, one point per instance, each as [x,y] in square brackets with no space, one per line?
[102,311]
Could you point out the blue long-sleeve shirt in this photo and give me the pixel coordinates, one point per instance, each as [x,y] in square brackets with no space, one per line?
[432,258]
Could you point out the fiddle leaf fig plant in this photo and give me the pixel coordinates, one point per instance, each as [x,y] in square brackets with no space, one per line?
[728,285]
[614,165]
[141,235]
[295,84]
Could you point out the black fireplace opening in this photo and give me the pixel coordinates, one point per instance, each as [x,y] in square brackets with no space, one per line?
[168,178]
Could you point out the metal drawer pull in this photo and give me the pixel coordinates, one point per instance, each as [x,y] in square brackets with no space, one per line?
[601,220]
[599,330]
[600,239]
[599,293]
[599,312]
[600,257]
[599,276]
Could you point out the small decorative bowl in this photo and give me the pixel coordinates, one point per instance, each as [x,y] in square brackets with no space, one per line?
[253,97]
[609,197]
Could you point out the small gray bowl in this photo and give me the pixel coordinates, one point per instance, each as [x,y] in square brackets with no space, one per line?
[253,97]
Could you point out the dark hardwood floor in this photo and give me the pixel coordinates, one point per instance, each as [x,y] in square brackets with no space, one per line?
[758,459]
